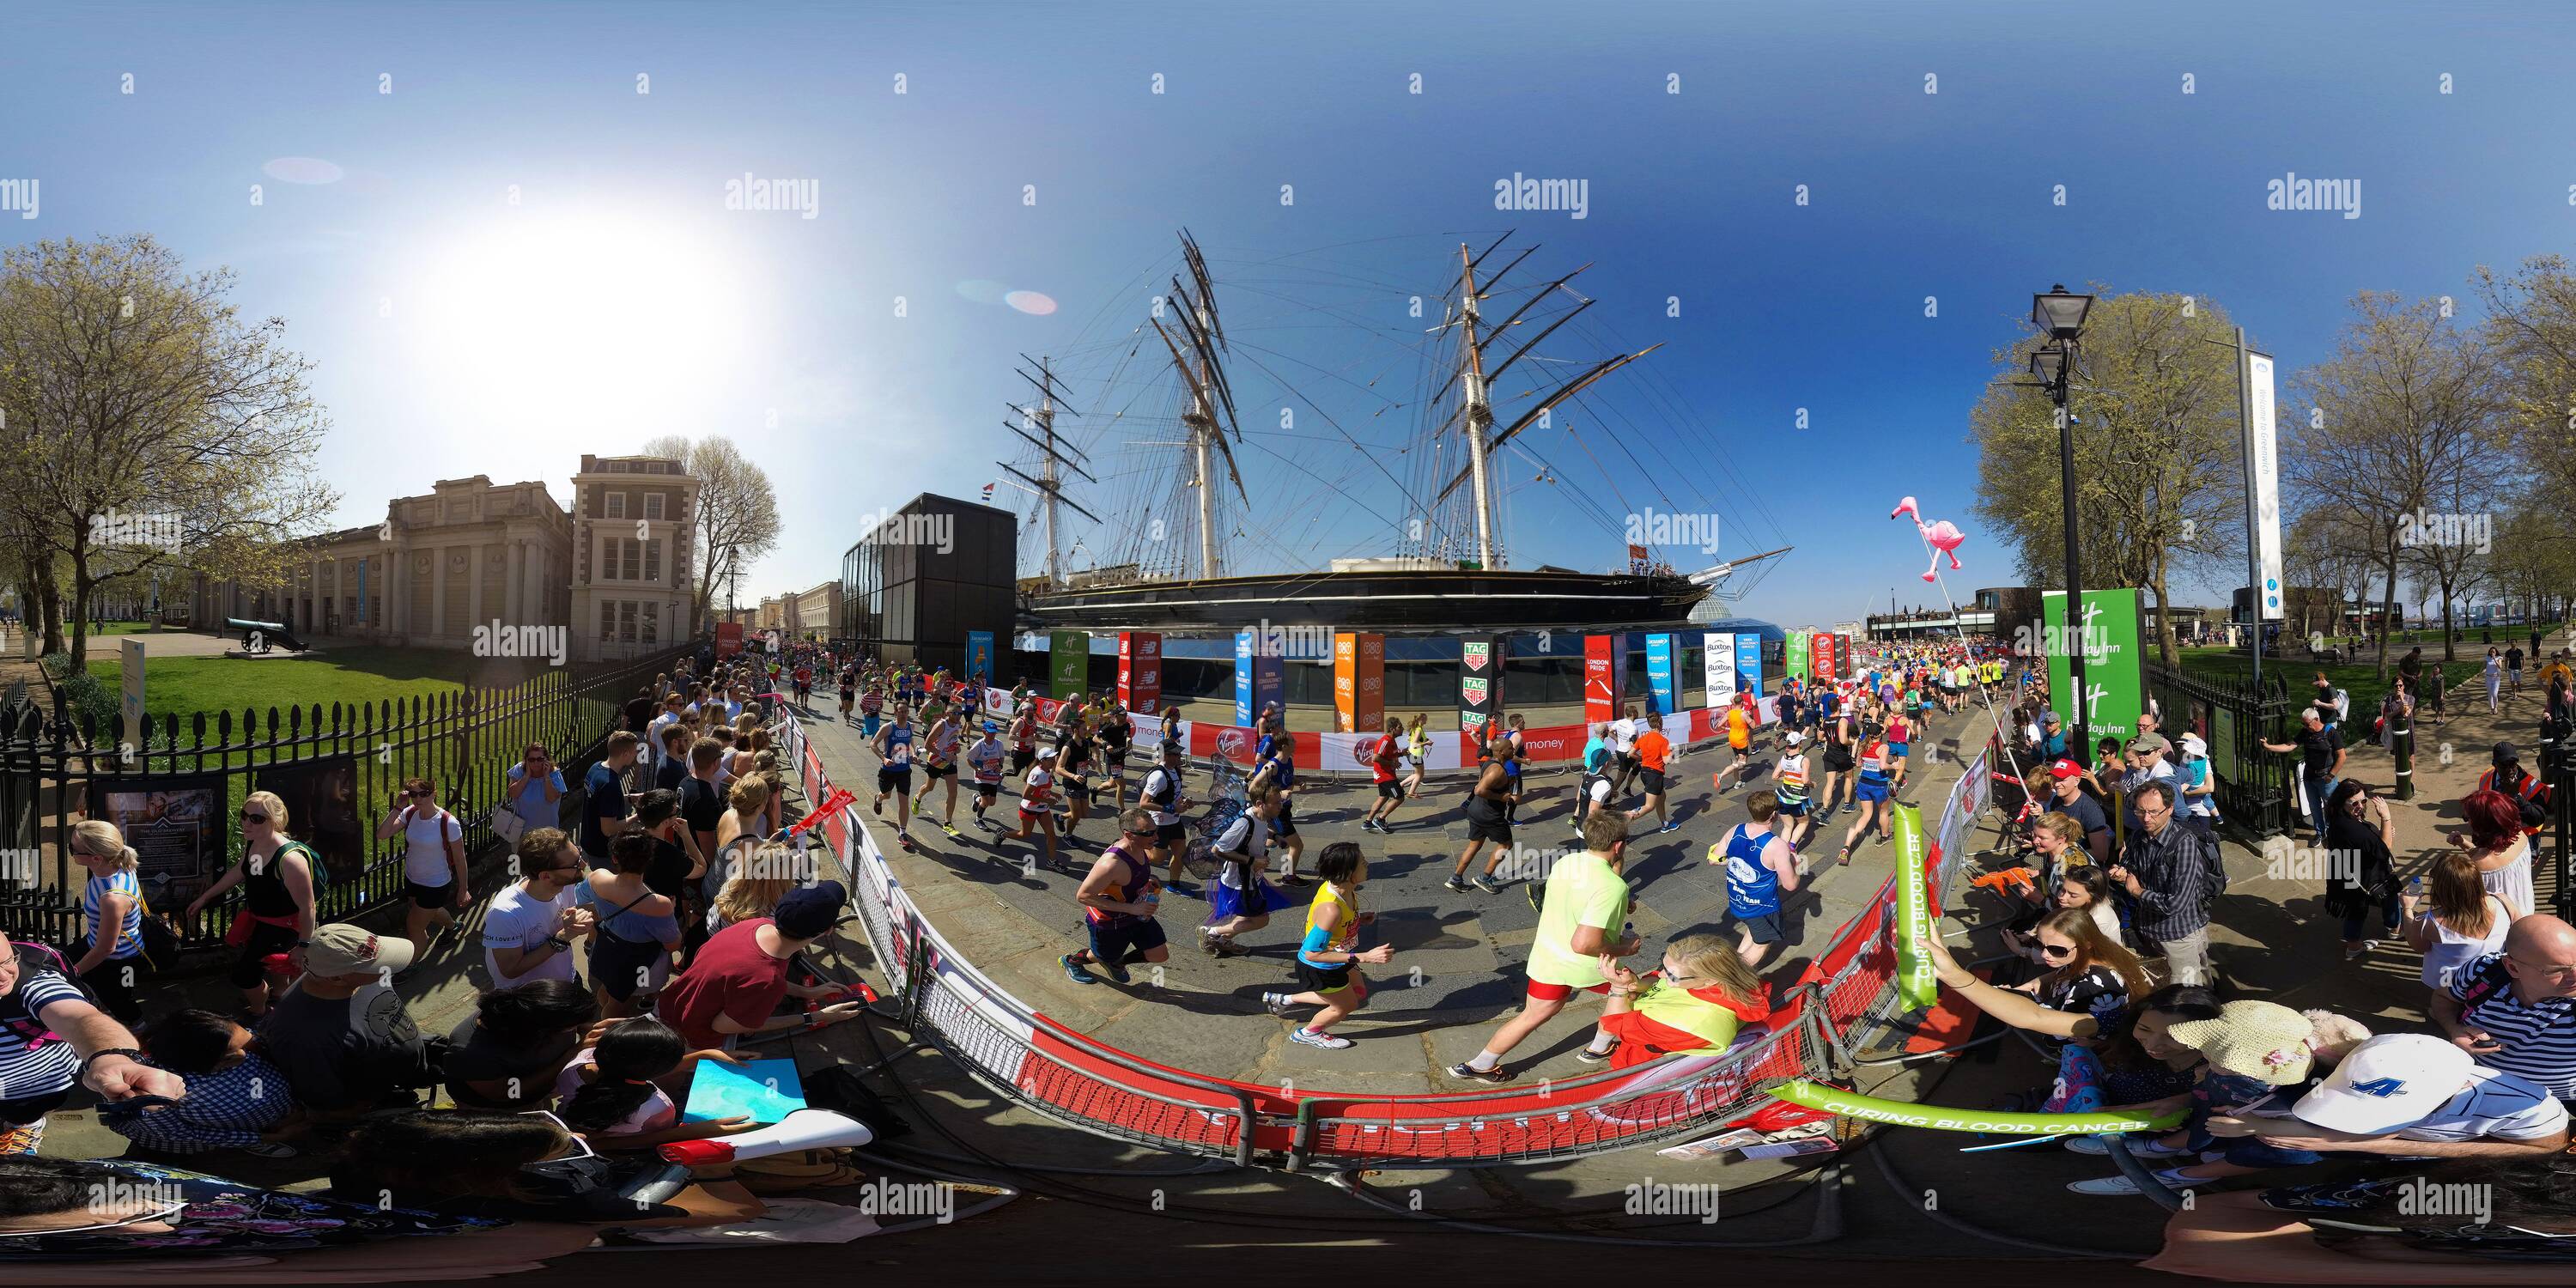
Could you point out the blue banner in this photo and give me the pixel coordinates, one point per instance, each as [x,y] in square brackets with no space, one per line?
[362,592]
[1661,694]
[1748,664]
[1260,676]
[979,658]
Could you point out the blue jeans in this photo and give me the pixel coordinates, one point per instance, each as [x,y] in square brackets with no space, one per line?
[2317,803]
[2390,917]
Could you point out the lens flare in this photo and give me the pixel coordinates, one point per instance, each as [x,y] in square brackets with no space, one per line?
[1030,302]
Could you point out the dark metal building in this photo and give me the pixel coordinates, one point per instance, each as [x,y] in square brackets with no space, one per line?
[924,575]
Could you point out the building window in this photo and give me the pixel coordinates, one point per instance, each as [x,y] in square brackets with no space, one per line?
[626,621]
[612,505]
[607,620]
[652,505]
[653,560]
[652,625]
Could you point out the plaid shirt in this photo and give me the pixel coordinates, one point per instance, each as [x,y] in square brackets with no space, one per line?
[223,1110]
[2179,877]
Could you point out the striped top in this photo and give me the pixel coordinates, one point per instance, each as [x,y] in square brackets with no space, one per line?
[2538,1038]
[35,1060]
[129,937]
[1789,782]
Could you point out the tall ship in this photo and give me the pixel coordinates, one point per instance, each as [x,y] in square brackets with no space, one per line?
[1175,549]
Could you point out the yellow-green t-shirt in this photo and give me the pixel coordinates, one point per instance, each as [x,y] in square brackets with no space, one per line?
[1581,891]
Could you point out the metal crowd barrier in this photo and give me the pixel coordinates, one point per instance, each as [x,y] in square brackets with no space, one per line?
[1072,1079]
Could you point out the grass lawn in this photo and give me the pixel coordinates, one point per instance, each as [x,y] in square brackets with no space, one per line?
[2360,679]
[349,676]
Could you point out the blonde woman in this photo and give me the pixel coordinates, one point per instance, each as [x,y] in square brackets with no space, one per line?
[746,813]
[276,877]
[1417,747]
[112,910]
[1695,1005]
[2460,921]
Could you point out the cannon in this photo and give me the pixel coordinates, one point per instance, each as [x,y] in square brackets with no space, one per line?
[258,636]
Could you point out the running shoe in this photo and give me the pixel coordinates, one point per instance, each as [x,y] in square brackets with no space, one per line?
[1309,1037]
[1845,860]
[1116,972]
[1073,970]
[1457,885]
[1465,1072]
[1673,825]
[1368,825]
[1485,883]
[878,809]
[1590,1056]
[1537,896]
[2117,1185]
[1277,1003]
[1229,948]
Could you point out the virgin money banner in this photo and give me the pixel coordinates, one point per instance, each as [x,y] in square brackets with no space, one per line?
[997,704]
[1564,742]
[1223,742]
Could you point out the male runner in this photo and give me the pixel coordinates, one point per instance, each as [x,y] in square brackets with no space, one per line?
[984,760]
[893,745]
[1653,748]
[1789,789]
[1118,900]
[1037,805]
[940,763]
[1383,756]
[1582,919]
[1160,796]
[1759,866]
[1739,746]
[1489,806]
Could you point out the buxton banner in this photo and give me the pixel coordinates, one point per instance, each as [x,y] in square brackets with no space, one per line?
[1718,660]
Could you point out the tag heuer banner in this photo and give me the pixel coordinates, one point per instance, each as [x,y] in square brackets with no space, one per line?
[1480,681]
[2107,629]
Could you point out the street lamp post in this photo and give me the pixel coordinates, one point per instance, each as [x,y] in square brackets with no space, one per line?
[2059,315]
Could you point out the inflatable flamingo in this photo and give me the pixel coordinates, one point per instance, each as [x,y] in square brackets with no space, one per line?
[1941,536]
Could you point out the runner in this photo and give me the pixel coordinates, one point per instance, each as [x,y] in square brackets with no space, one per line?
[984,760]
[1653,748]
[1417,750]
[848,686]
[1839,735]
[1160,796]
[1384,756]
[1900,740]
[1024,738]
[1789,790]
[1759,866]
[1515,737]
[1872,793]
[871,708]
[1275,765]
[1584,900]
[940,763]
[893,745]
[1073,763]
[1594,791]
[1115,732]
[1242,898]
[1118,901]
[1623,746]
[1489,819]
[1037,805]
[1739,747]
[1328,959]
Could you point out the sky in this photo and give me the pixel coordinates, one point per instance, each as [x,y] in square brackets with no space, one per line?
[501,255]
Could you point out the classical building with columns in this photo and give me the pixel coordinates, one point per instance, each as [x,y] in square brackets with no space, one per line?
[631,584]
[470,552]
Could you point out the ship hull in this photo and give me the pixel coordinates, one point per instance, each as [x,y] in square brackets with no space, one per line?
[1413,600]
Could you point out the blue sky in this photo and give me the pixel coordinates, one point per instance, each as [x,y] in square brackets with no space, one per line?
[459,333]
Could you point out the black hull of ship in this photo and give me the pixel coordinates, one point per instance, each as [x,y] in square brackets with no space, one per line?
[1430,600]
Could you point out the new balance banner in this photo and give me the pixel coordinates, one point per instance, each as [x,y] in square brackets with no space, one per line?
[1140,670]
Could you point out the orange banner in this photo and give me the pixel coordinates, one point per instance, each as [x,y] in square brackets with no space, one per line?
[1359,681]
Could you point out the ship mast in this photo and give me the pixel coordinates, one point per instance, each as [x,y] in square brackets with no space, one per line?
[1199,369]
[1053,461]
[1479,413]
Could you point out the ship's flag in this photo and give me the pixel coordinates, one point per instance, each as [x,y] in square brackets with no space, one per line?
[988,490]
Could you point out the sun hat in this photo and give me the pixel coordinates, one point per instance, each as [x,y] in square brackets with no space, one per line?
[344,949]
[2263,1040]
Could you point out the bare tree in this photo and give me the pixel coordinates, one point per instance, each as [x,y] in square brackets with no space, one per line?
[737,518]
[148,425]
[2402,408]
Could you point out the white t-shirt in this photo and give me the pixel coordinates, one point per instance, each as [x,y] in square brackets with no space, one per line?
[1242,837]
[1623,735]
[2512,882]
[425,837]
[518,919]
[1157,782]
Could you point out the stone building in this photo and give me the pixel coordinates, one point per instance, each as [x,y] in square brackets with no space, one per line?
[632,584]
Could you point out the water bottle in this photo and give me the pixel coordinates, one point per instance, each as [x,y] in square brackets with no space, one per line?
[1153,896]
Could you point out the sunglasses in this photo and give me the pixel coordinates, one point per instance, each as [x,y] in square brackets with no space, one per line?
[418,796]
[2056,950]
[1141,834]
[249,817]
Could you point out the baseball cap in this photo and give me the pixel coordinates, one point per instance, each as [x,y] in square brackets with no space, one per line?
[344,949]
[1793,737]
[2505,754]
[2156,741]
[2388,1082]
[2192,743]
[2263,1040]
[2048,717]
[2066,769]
[1046,753]
[808,912]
